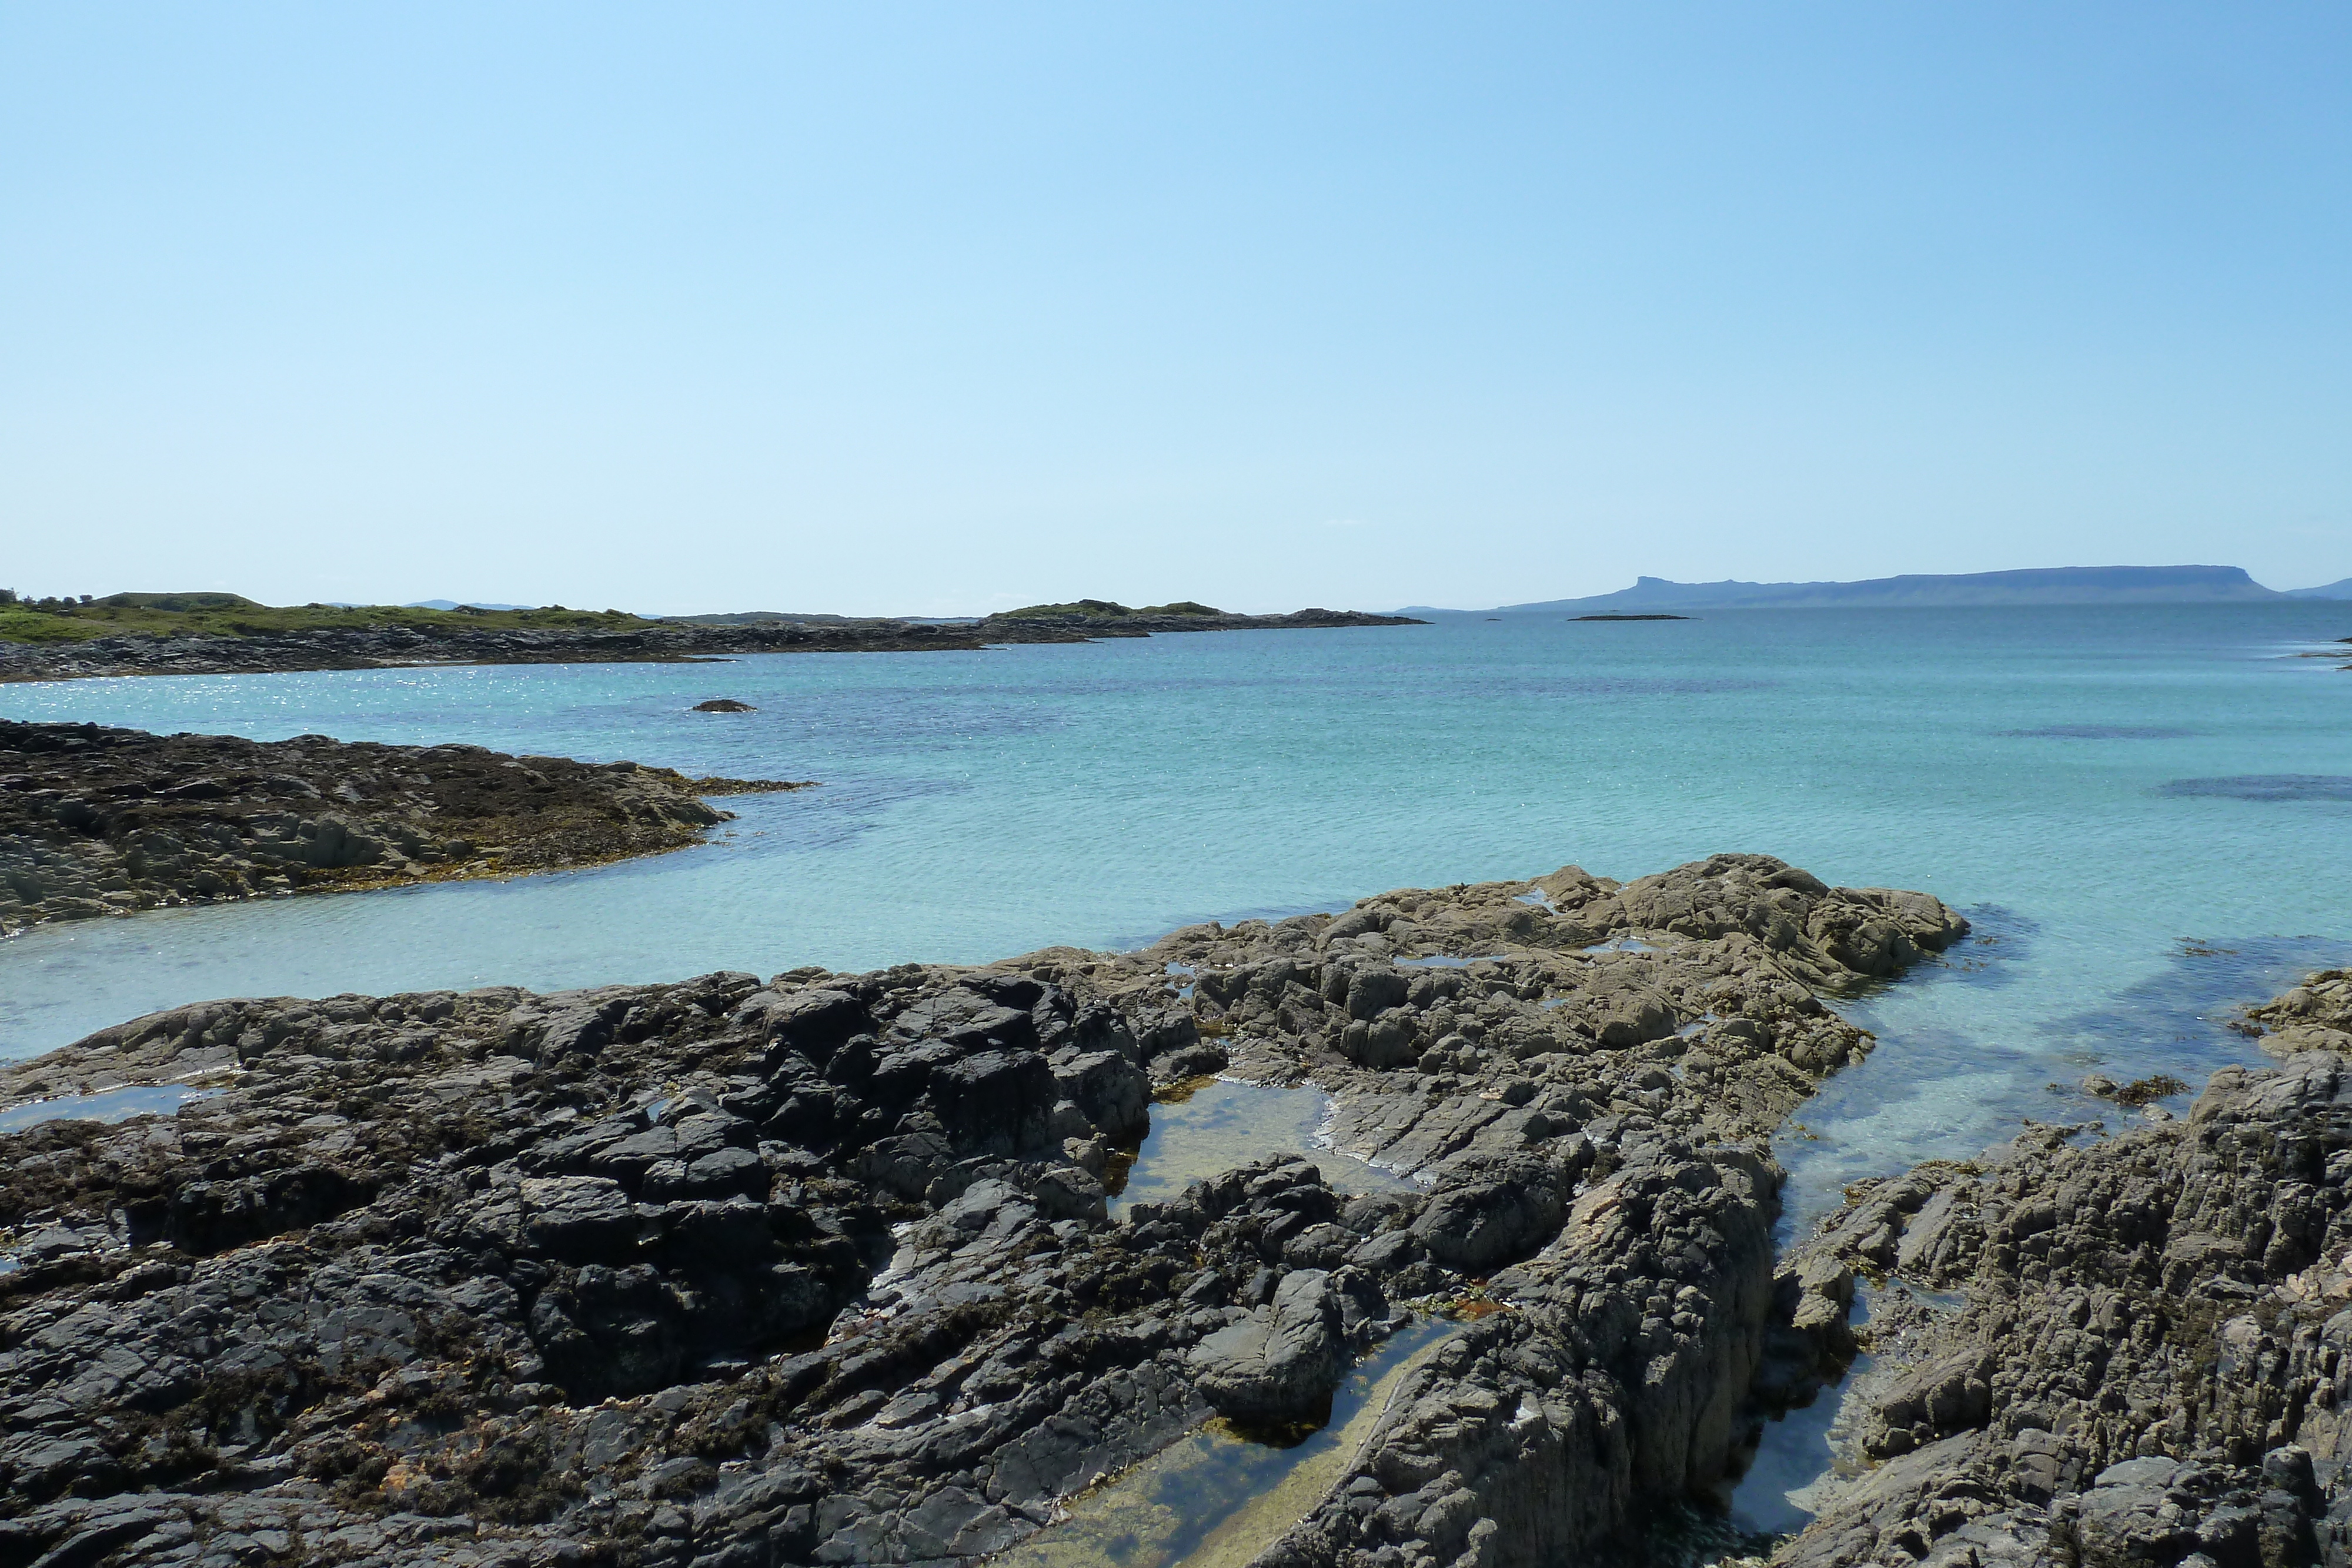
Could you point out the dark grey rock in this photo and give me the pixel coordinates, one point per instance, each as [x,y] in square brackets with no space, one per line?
[817,1270]
[1281,1361]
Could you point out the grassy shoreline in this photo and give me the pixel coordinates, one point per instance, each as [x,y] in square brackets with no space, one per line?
[54,620]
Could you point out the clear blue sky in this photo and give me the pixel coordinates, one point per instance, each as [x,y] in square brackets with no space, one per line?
[937,309]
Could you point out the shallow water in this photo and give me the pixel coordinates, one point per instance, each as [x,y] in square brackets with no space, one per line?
[1215,1498]
[2016,763]
[1211,1127]
[1946,1045]
[1803,1453]
[980,804]
[2266,787]
[112,1105]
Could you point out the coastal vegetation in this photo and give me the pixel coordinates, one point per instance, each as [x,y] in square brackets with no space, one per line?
[222,634]
[1103,610]
[84,619]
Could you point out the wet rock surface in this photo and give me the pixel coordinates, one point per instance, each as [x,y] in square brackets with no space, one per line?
[1281,1361]
[374,647]
[2137,1350]
[819,1270]
[96,821]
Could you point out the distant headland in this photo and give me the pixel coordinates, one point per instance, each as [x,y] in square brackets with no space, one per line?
[62,638]
[2062,585]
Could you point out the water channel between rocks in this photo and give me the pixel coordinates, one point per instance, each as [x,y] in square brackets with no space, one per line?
[1872,1121]
[1804,1453]
[1216,1496]
[1216,1500]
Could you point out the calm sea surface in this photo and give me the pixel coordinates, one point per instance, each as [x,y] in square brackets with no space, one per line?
[2026,766]
[2147,812]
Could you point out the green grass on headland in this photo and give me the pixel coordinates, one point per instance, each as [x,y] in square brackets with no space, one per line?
[1102,609]
[233,615]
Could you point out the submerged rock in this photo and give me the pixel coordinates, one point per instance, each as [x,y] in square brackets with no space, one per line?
[815,1270]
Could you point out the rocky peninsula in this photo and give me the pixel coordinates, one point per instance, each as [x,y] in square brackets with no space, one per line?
[67,644]
[820,1268]
[96,821]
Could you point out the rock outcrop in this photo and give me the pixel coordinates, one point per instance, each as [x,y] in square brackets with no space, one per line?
[2149,1358]
[1281,1361]
[820,1269]
[106,821]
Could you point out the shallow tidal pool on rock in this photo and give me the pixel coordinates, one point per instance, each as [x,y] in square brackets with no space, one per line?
[1803,1454]
[110,1105]
[1216,1499]
[1210,1126]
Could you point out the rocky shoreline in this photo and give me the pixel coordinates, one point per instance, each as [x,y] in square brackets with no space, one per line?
[374,647]
[98,821]
[820,1269]
[2137,1350]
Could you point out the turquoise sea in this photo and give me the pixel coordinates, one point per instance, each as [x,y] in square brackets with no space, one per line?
[2147,812]
[2023,765]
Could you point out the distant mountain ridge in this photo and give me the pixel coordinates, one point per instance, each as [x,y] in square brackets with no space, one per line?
[2060,585]
[2342,590]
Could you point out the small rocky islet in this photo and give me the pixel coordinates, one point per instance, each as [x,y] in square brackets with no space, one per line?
[97,820]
